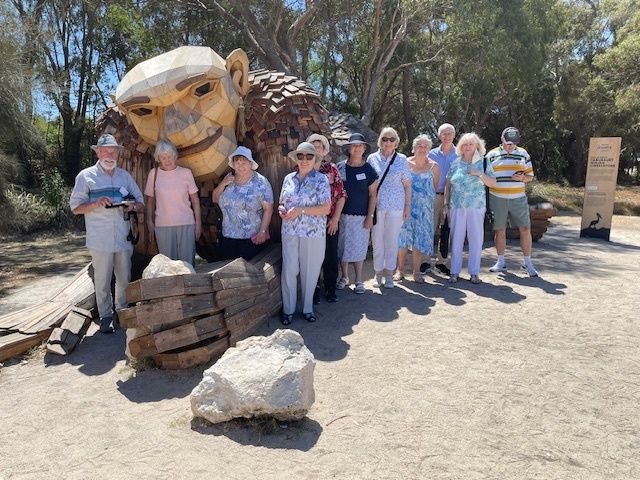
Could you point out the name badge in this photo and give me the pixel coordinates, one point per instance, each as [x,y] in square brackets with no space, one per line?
[361,176]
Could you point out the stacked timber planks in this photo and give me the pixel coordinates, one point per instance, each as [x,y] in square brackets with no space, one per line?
[182,321]
[29,327]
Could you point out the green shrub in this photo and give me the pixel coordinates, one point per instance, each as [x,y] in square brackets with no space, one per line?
[26,212]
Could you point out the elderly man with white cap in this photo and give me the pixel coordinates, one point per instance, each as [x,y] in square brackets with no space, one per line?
[104,194]
[508,199]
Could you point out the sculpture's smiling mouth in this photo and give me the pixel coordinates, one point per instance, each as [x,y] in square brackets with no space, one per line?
[202,145]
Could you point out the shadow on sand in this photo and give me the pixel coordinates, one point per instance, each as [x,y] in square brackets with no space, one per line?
[264,432]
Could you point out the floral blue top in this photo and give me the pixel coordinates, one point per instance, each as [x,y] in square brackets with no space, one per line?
[241,207]
[312,191]
[467,191]
[391,193]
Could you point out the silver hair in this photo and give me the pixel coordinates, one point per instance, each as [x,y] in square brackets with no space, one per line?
[446,126]
[165,146]
[388,130]
[471,138]
[420,138]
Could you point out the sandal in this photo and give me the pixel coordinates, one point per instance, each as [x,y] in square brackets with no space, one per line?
[418,278]
[398,276]
[453,278]
[343,282]
[359,288]
[475,279]
[286,318]
[309,317]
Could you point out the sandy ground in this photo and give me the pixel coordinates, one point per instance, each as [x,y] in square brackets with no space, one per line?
[516,378]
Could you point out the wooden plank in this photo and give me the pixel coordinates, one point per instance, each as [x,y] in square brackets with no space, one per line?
[75,322]
[191,358]
[240,307]
[226,283]
[183,335]
[232,296]
[19,343]
[170,286]
[61,342]
[167,310]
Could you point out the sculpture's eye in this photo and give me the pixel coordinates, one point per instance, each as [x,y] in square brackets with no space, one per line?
[202,89]
[205,88]
[142,111]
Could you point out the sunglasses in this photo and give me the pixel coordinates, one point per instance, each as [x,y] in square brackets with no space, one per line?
[389,139]
[305,156]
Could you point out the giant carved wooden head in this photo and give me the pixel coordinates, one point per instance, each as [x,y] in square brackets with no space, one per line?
[190,96]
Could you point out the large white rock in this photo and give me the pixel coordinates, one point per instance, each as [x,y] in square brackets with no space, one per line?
[162,266]
[261,376]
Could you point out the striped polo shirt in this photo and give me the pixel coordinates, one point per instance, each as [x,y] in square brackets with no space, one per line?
[506,164]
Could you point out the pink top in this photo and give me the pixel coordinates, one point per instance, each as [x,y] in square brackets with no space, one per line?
[173,187]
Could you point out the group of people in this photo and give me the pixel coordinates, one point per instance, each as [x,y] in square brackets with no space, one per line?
[329,212]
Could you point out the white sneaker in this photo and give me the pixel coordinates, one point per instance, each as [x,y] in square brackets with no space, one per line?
[342,283]
[389,283]
[498,267]
[531,270]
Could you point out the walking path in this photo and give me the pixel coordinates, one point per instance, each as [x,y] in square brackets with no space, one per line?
[516,378]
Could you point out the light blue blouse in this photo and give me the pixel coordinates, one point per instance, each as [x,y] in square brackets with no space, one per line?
[467,191]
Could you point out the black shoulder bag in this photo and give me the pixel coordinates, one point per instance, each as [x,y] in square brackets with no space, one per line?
[488,213]
[384,175]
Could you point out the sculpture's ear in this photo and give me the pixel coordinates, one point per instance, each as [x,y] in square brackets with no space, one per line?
[238,68]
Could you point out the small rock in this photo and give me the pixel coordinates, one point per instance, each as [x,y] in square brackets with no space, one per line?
[261,376]
[162,266]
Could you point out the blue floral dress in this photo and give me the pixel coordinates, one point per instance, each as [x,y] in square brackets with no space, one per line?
[417,230]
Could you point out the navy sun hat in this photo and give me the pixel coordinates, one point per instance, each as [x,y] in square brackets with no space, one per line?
[356,139]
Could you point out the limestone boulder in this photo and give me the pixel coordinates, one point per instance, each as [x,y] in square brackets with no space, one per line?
[261,376]
[162,266]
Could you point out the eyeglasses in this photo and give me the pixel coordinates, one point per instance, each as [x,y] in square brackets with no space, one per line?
[305,156]
[389,139]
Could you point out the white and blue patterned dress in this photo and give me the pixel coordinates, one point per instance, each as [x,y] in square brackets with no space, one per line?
[417,230]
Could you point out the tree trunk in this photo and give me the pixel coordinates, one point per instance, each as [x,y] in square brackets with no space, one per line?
[406,104]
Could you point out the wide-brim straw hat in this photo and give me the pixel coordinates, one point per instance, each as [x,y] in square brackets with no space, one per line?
[356,139]
[304,147]
[243,152]
[106,140]
[317,137]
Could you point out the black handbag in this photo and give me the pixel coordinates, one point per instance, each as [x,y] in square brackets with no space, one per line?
[445,232]
[384,175]
[488,213]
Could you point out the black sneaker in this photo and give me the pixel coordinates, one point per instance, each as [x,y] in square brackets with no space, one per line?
[106,325]
[443,268]
[425,268]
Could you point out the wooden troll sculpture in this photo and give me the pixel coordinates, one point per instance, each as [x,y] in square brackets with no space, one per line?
[206,105]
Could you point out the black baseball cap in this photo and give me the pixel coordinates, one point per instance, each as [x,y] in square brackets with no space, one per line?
[511,135]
